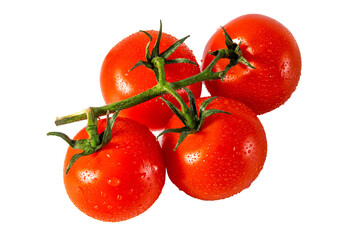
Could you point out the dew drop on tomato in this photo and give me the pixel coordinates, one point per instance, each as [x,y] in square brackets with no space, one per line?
[81,191]
[114,181]
[155,168]
[103,194]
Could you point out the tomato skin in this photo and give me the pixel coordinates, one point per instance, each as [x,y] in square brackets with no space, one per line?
[117,83]
[120,181]
[271,49]
[223,158]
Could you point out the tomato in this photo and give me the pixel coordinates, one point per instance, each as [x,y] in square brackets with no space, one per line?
[223,158]
[121,180]
[271,49]
[117,83]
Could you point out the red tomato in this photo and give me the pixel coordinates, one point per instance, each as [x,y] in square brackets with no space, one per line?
[223,158]
[117,83]
[271,49]
[121,180]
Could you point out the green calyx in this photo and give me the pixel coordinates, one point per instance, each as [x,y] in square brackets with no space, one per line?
[233,53]
[155,53]
[196,118]
[95,141]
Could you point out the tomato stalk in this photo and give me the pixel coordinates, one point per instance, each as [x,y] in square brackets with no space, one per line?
[159,69]
[232,52]
[91,128]
[158,90]
[155,61]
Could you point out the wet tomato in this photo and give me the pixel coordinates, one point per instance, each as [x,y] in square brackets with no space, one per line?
[271,49]
[121,180]
[221,159]
[117,83]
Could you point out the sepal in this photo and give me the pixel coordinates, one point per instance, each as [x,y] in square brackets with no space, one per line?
[173,48]
[165,55]
[175,110]
[85,144]
[198,116]
[233,53]
[184,131]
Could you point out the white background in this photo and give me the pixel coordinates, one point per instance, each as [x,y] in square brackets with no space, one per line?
[50,58]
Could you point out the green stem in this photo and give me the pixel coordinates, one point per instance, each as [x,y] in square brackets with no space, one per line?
[161,88]
[159,70]
[101,111]
[206,75]
[91,128]
[187,114]
[159,64]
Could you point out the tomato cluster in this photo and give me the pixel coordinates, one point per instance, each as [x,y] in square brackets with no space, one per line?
[221,157]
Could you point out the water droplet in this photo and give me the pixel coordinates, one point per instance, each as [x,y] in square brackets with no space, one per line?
[119,197]
[142,175]
[155,167]
[81,191]
[113,181]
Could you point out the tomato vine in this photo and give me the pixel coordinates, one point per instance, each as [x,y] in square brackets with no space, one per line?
[209,160]
[162,87]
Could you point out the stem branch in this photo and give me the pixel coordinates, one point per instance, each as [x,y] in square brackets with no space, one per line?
[161,88]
